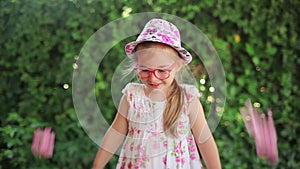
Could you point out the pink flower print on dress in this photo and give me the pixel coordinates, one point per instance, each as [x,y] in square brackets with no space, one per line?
[184,110]
[124,146]
[189,97]
[192,156]
[178,148]
[129,164]
[140,149]
[131,131]
[155,134]
[130,96]
[165,38]
[131,146]
[180,124]
[165,143]
[177,159]
[182,161]
[164,160]
[124,159]
[180,132]
[134,105]
[192,148]
[190,140]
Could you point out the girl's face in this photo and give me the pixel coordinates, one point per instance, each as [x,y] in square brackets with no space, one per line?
[153,65]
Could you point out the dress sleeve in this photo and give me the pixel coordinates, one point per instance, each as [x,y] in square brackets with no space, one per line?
[191,93]
[127,91]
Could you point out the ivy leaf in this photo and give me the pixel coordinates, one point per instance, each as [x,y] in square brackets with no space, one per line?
[250,49]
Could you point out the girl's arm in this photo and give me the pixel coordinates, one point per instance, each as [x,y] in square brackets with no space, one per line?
[203,137]
[113,137]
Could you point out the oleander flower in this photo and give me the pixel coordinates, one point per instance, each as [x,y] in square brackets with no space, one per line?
[262,129]
[43,143]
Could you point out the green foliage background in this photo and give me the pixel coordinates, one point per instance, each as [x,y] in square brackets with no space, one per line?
[258,43]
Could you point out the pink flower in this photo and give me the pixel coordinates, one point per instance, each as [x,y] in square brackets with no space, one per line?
[180,124]
[43,143]
[130,96]
[190,140]
[129,165]
[273,151]
[165,143]
[131,146]
[189,96]
[151,31]
[180,132]
[177,159]
[128,48]
[192,148]
[178,148]
[263,130]
[182,161]
[124,146]
[124,159]
[184,110]
[165,160]
[192,156]
[165,38]
[155,134]
[131,131]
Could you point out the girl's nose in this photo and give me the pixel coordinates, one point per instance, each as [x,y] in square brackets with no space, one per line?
[152,77]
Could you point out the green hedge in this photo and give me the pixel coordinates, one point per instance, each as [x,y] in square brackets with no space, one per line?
[258,43]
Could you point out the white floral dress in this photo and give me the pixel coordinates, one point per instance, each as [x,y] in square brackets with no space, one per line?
[146,145]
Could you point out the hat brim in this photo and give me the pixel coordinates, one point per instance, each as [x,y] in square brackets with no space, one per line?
[184,54]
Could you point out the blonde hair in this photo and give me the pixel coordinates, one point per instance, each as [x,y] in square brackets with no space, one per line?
[174,104]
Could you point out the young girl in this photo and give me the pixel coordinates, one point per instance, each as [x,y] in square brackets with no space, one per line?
[163,120]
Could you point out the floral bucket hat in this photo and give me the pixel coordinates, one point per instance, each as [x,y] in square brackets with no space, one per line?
[162,31]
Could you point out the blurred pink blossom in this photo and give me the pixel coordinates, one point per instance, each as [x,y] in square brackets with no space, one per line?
[262,129]
[43,143]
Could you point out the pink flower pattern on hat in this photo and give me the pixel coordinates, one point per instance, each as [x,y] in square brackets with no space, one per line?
[166,39]
[161,31]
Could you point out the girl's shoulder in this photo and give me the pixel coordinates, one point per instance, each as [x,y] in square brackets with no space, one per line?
[191,92]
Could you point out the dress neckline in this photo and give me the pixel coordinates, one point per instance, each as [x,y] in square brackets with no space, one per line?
[143,88]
